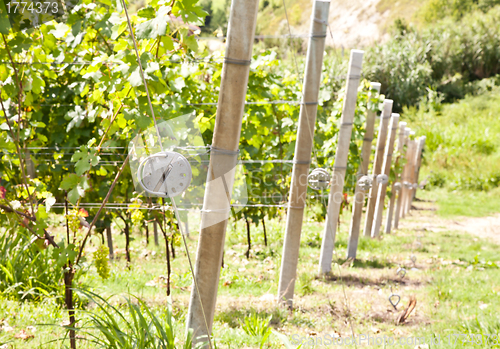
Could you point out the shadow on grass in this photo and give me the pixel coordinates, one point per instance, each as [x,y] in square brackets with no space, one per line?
[413,207]
[234,316]
[365,264]
[363,281]
[424,200]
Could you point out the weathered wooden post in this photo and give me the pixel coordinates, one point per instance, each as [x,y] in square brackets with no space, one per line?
[423,140]
[155,232]
[359,194]
[30,165]
[399,202]
[303,149]
[416,172]
[395,189]
[340,165]
[386,171]
[407,174]
[225,143]
[109,239]
[377,165]
[409,177]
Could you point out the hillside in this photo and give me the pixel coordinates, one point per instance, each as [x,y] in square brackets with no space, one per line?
[354,23]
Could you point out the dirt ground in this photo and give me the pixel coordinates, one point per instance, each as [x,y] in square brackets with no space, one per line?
[423,218]
[358,298]
[358,23]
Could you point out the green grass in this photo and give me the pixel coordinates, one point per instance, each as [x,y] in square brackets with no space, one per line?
[464,203]
[463,142]
[405,9]
[457,275]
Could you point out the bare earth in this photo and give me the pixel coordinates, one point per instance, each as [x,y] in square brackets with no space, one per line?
[359,23]
[424,218]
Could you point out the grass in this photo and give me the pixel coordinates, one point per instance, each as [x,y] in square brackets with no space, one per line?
[465,203]
[455,281]
[463,142]
[404,9]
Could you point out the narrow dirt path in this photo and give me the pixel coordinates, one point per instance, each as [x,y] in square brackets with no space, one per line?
[486,227]
[424,217]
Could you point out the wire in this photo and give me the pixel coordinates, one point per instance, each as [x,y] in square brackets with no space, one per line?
[200,104]
[311,131]
[191,267]
[258,37]
[195,61]
[161,146]
[142,74]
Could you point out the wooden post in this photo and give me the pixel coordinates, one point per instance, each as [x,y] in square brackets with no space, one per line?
[407,174]
[377,166]
[386,170]
[399,202]
[30,165]
[155,233]
[336,196]
[359,194]
[411,176]
[303,149]
[225,143]
[394,188]
[109,239]
[421,157]
[416,172]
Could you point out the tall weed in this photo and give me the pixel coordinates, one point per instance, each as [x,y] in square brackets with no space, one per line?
[133,326]
[27,268]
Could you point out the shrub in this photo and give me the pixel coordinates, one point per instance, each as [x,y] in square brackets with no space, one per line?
[444,57]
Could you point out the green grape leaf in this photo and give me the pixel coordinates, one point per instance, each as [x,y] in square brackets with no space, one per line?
[189,11]
[135,78]
[154,27]
[147,12]
[60,30]
[70,181]
[77,185]
[49,202]
[76,116]
[63,255]
[84,160]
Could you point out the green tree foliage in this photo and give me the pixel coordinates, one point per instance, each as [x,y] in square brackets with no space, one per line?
[445,57]
[435,10]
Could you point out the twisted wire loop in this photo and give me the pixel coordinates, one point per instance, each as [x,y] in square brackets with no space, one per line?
[228,60]
[302,162]
[346,124]
[320,36]
[315,35]
[317,20]
[309,103]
